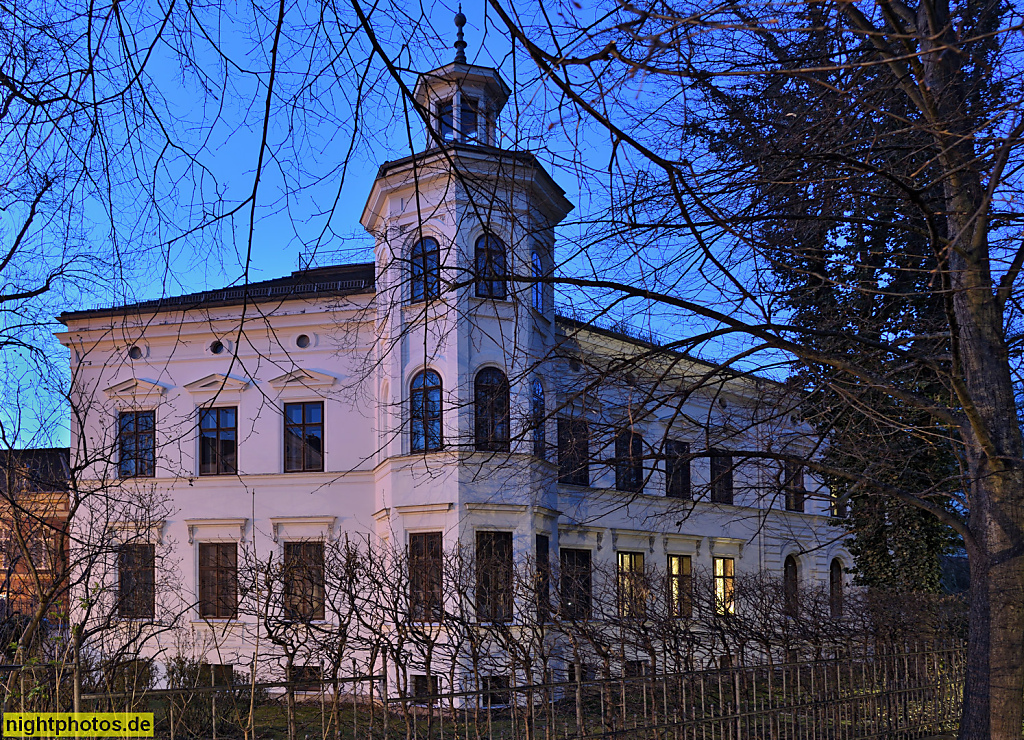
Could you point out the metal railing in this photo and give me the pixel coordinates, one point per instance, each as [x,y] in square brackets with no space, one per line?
[877,693]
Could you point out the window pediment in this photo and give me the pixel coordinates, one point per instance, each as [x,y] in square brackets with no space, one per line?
[135,389]
[216,383]
[303,379]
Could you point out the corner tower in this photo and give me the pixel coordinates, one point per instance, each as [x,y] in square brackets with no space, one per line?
[464,243]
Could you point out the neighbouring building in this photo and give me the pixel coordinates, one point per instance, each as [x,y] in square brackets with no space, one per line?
[430,398]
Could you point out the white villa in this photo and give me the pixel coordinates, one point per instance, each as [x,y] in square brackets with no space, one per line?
[428,399]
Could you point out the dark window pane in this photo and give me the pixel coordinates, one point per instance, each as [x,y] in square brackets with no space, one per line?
[218,580]
[304,580]
[790,587]
[303,436]
[137,444]
[494,568]
[491,404]
[445,120]
[426,270]
[573,452]
[490,268]
[677,469]
[575,585]
[425,412]
[629,461]
[136,581]
[721,478]
[425,576]
[217,441]
[543,579]
[793,485]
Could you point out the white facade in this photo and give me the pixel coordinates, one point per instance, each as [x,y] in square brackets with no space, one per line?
[353,338]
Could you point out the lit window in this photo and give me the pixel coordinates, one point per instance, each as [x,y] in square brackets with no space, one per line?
[725,586]
[490,268]
[425,270]
[632,586]
[303,436]
[491,409]
[425,411]
[680,586]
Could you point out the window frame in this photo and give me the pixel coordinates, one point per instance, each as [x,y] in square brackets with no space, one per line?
[427,420]
[571,469]
[680,585]
[224,582]
[629,461]
[490,262]
[794,491]
[722,484]
[572,580]
[133,435]
[426,576]
[790,586]
[136,596]
[678,476]
[303,595]
[631,590]
[538,412]
[424,276]
[219,458]
[836,588]
[303,443]
[542,579]
[495,568]
[492,417]
[537,292]
[724,573]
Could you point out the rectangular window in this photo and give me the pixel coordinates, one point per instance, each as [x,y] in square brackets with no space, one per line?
[632,586]
[136,581]
[446,120]
[721,478]
[494,576]
[306,677]
[218,580]
[629,461]
[496,691]
[573,452]
[725,586]
[136,441]
[575,586]
[680,586]
[304,580]
[425,576]
[677,469]
[793,485]
[218,441]
[222,674]
[303,436]
[543,583]
[424,686]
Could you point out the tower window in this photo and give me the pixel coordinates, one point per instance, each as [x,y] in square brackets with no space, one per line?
[490,268]
[491,399]
[425,270]
[425,411]
[790,586]
[539,414]
[538,286]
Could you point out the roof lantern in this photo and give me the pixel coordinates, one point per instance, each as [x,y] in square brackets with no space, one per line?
[462,101]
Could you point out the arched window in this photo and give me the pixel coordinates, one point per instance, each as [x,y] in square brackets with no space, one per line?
[790,597]
[425,260]
[490,397]
[835,588]
[539,413]
[425,411]
[538,287]
[490,268]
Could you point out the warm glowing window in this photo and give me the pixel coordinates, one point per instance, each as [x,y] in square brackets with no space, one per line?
[725,586]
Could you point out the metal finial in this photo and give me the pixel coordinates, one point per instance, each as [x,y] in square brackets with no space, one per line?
[460,43]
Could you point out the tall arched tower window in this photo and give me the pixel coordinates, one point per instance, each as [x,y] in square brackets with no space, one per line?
[539,413]
[425,264]
[835,588]
[491,402]
[490,268]
[425,411]
[790,584]
[538,287]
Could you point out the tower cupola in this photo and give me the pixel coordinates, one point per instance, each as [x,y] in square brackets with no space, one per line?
[462,101]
